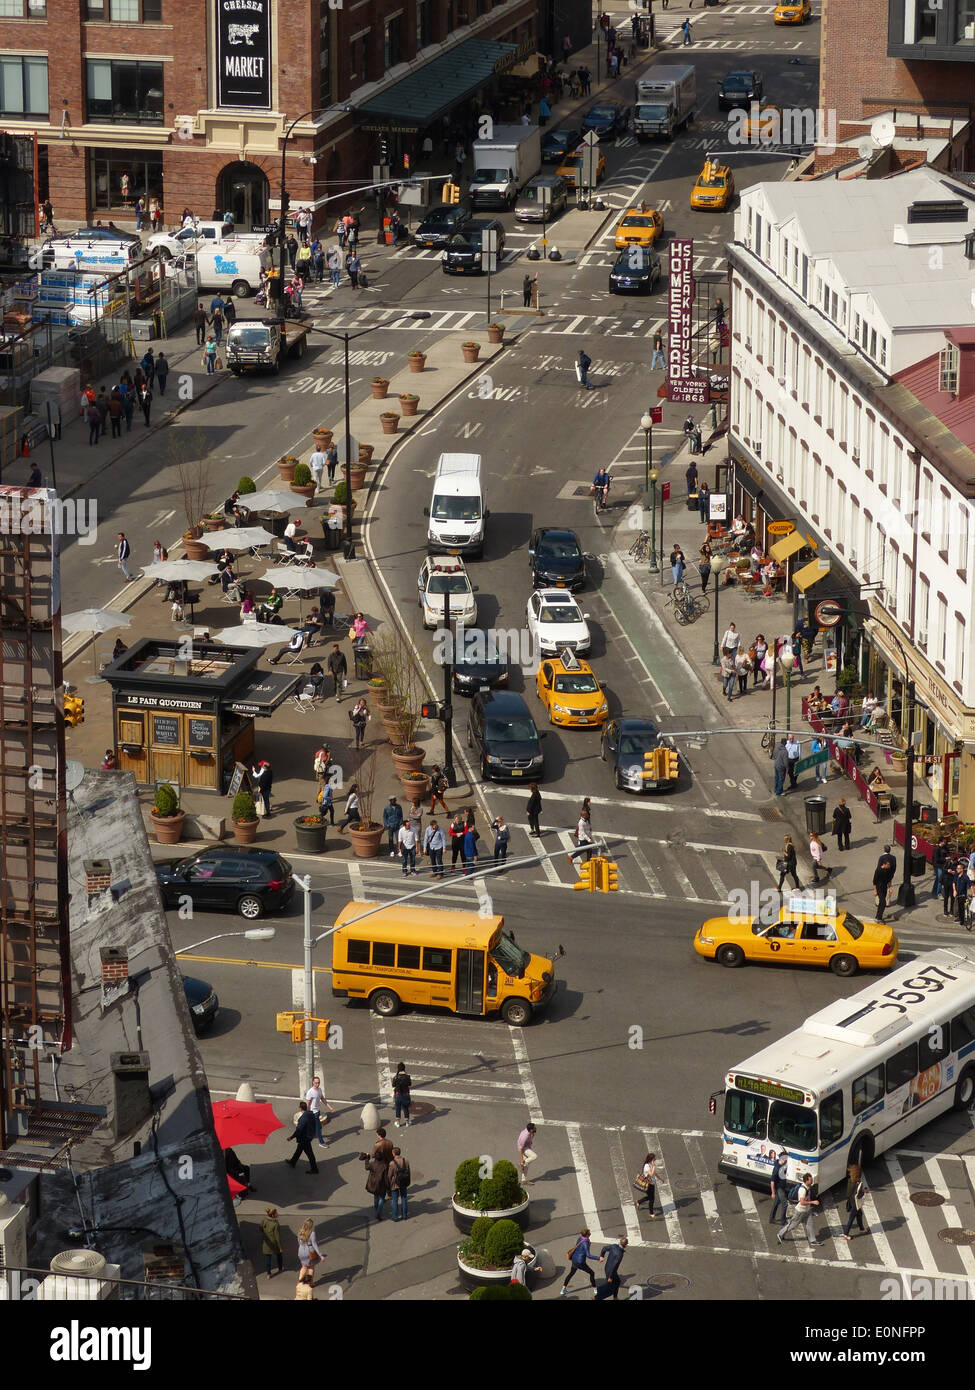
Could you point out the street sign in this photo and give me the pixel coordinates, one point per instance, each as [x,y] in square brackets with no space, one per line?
[828,613]
[656,413]
[590,138]
[814,759]
[665,492]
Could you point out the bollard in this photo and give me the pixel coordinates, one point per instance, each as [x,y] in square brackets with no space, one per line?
[369,1119]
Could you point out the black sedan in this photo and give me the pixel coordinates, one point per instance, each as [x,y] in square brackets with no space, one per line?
[440,223]
[623,744]
[480,663]
[228,878]
[607,118]
[557,559]
[740,89]
[464,254]
[202,1002]
[556,144]
[500,727]
[637,271]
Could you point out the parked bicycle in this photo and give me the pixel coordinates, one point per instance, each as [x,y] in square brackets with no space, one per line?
[687,608]
[768,738]
[640,549]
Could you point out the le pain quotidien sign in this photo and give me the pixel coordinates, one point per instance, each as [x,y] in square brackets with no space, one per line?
[244,54]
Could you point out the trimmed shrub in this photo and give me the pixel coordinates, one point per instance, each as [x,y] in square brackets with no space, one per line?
[479,1233]
[502,1189]
[501,1293]
[302,475]
[504,1241]
[243,808]
[167,802]
[246,485]
[467,1180]
[340,495]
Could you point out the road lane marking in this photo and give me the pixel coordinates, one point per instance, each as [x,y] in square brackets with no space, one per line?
[587,1198]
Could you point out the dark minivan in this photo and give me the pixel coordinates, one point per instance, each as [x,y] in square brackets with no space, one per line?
[501,728]
[228,878]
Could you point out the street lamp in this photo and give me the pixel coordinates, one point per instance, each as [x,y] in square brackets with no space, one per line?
[717,565]
[905,893]
[788,660]
[653,475]
[252,934]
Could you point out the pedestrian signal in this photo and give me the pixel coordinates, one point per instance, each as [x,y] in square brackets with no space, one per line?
[74,710]
[587,876]
[431,709]
[406,162]
[608,876]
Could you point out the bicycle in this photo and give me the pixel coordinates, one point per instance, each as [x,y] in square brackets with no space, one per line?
[640,549]
[688,609]
[768,738]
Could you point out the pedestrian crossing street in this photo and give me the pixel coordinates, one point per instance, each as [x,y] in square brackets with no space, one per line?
[481,1061]
[700,1210]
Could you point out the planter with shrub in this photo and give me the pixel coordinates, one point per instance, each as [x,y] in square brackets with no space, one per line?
[417,360]
[166,816]
[379,385]
[322,437]
[486,1257]
[357,475]
[498,1195]
[310,831]
[303,483]
[286,466]
[389,420]
[245,820]
[246,485]
[409,403]
[495,332]
[471,351]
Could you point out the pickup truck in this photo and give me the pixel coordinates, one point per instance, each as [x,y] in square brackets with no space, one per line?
[258,345]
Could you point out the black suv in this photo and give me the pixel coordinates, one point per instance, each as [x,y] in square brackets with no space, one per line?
[440,223]
[557,559]
[556,144]
[501,728]
[740,89]
[607,118]
[637,270]
[228,879]
[463,255]
[202,1002]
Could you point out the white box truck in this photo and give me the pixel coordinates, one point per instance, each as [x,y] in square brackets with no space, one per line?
[234,265]
[504,164]
[665,100]
[456,509]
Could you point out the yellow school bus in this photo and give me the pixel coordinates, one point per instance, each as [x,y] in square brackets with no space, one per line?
[453,960]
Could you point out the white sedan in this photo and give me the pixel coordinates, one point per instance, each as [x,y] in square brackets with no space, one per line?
[445,574]
[556,622]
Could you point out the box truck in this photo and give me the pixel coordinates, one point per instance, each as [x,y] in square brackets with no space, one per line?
[234,265]
[504,164]
[665,99]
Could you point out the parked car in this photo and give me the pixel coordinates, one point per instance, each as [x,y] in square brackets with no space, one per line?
[556,144]
[557,559]
[740,89]
[625,744]
[463,254]
[479,664]
[556,622]
[637,270]
[502,731]
[440,223]
[228,878]
[202,1002]
[607,118]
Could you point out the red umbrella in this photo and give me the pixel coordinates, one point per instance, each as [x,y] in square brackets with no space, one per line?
[244,1122]
[235,1187]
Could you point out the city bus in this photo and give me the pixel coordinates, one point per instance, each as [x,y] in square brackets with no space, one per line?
[456,960]
[857,1077]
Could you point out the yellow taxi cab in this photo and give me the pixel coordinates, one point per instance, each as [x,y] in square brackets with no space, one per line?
[796,12]
[569,170]
[715,187]
[638,228]
[570,692]
[762,124]
[805,932]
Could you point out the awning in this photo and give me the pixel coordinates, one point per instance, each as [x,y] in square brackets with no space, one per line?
[262,694]
[528,67]
[787,546]
[415,101]
[810,574]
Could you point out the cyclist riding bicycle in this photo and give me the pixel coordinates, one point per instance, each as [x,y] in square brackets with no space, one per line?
[600,485]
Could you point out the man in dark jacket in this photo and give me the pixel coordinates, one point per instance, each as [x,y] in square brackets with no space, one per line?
[583,363]
[377,1178]
[780,763]
[938,862]
[304,1133]
[842,824]
[392,820]
[612,1257]
[338,668]
[882,877]
[262,777]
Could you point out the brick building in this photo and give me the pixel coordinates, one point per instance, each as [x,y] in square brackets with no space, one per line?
[188,100]
[909,57]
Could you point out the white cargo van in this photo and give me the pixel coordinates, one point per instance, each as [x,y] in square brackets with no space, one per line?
[456,511]
[234,265]
[93,253]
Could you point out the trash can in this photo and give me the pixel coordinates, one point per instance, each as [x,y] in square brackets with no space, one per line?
[919,865]
[332,534]
[363,662]
[692,502]
[815,814]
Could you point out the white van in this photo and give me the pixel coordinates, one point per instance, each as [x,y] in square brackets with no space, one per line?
[234,265]
[91,252]
[456,511]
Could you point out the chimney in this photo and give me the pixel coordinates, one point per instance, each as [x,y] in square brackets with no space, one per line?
[115,973]
[98,875]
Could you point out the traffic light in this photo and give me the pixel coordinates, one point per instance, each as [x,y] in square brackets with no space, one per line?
[285,204]
[406,162]
[587,877]
[451,193]
[650,765]
[608,876]
[670,764]
[74,710]
[431,709]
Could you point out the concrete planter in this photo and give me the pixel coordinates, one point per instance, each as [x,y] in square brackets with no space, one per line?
[245,831]
[409,404]
[366,452]
[464,1217]
[417,361]
[495,332]
[472,1278]
[365,841]
[357,477]
[286,468]
[416,788]
[389,421]
[194,548]
[310,837]
[379,389]
[471,351]
[167,829]
[322,438]
[407,760]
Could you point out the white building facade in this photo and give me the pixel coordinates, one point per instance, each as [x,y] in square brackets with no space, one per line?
[852,414]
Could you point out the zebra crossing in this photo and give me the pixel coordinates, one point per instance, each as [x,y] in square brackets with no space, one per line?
[697,1210]
[479,1061]
[456,320]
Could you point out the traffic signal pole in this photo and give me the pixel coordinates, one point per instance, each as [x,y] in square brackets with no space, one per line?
[448,709]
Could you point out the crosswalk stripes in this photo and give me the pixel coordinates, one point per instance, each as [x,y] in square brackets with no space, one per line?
[478,1063]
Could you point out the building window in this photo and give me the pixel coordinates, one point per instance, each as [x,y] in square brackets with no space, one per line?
[758,235]
[805,278]
[965,21]
[325,55]
[120,91]
[23,9]
[941,637]
[948,369]
[423,35]
[926,30]
[962,539]
[359,56]
[945,523]
[125,11]
[784,259]
[923,610]
[959,650]
[393,42]
[118,178]
[23,87]
[873,343]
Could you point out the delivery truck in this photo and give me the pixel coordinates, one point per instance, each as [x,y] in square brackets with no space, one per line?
[504,164]
[233,265]
[261,345]
[665,99]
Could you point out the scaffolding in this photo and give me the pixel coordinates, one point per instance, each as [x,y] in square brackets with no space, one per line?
[34,956]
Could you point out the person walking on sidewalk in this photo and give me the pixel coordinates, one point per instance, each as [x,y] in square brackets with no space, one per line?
[938,862]
[780,766]
[162,372]
[469,844]
[455,833]
[816,852]
[398,1176]
[210,355]
[303,1134]
[331,462]
[820,745]
[262,777]
[434,844]
[115,412]
[377,1179]
[438,788]
[806,1197]
[794,749]
[743,664]
[148,365]
[392,820]
[315,1097]
[352,812]
[122,552]
[728,674]
[526,1149]
[658,359]
[787,863]
[145,401]
[402,1086]
[338,669]
[406,839]
[359,716]
[579,1257]
[883,876]
[704,502]
[309,1254]
[352,268]
[200,324]
[677,564]
[779,1187]
[842,824]
[93,419]
[271,1247]
[856,1192]
[534,809]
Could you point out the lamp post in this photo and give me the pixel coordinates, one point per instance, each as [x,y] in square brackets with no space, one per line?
[717,565]
[788,660]
[654,475]
[905,893]
[315,111]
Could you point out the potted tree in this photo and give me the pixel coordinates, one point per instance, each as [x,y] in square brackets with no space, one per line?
[485,1259]
[404,692]
[379,385]
[166,815]
[286,466]
[193,481]
[310,832]
[243,814]
[389,420]
[417,360]
[366,452]
[408,403]
[365,834]
[495,332]
[302,482]
[322,437]
[471,351]
[482,1189]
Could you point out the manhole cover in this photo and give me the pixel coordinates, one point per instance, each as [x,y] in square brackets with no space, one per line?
[957,1235]
[770,813]
[927,1199]
[667,1283]
[421,1107]
[687,1188]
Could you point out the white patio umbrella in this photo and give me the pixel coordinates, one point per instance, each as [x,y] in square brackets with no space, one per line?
[309,580]
[237,538]
[94,620]
[274,499]
[256,635]
[168,570]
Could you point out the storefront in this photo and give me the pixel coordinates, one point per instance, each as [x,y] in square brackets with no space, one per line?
[188,719]
[119,178]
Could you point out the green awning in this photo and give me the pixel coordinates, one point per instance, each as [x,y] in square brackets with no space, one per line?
[419,98]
